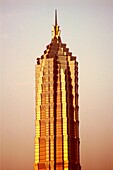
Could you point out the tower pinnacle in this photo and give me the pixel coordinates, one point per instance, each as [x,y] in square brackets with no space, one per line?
[55,28]
[55,17]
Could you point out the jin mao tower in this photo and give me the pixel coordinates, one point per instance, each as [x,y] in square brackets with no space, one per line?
[57,111]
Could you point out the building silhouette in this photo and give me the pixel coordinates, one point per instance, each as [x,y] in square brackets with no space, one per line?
[57,118]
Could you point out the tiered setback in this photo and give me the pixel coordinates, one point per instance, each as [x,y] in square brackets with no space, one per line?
[57,123]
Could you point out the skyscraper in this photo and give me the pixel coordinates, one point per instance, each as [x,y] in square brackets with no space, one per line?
[57,117]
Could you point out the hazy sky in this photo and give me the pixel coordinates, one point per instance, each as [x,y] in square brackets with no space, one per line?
[87,28]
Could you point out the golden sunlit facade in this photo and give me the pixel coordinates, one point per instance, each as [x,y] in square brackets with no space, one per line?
[57,120]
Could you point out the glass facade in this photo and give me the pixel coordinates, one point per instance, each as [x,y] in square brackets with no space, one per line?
[57,119]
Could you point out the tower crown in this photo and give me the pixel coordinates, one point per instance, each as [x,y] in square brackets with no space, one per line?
[55,28]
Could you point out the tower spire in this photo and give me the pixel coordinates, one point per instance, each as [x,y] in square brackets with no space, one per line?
[55,28]
[55,17]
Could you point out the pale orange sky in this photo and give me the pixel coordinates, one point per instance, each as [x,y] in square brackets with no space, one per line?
[87,28]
